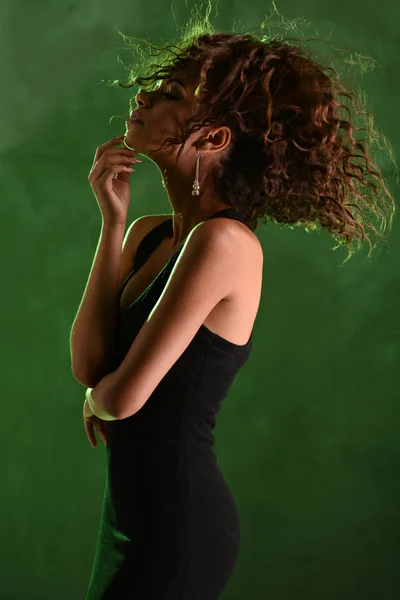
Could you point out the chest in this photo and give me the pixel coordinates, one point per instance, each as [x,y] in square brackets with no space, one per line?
[146,274]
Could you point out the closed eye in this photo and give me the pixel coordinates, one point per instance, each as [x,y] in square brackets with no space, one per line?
[170,96]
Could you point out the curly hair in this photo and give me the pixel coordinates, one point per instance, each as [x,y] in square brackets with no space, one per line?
[293,157]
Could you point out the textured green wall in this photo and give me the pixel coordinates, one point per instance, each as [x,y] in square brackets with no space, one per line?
[308,437]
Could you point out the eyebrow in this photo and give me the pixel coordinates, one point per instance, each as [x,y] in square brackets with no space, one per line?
[177,81]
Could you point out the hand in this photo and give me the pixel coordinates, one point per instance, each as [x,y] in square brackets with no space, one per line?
[112,195]
[91,422]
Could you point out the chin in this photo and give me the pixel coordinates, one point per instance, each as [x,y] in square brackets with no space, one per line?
[126,143]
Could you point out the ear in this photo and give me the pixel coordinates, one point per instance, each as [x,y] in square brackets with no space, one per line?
[216,140]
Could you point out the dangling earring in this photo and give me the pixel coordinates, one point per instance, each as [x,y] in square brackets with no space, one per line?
[196,184]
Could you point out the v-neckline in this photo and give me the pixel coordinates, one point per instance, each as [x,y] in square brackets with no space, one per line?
[135,269]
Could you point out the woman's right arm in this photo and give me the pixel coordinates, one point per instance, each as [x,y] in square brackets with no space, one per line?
[93,330]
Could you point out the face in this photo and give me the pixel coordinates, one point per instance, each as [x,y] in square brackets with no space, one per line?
[163,112]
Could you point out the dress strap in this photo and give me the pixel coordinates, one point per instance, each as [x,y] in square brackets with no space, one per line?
[147,245]
[150,242]
[231,213]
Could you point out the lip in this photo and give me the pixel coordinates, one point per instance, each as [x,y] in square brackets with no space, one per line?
[136,114]
[134,122]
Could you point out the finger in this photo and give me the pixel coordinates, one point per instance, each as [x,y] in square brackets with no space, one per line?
[122,151]
[110,144]
[106,160]
[116,159]
[109,173]
[90,433]
[101,432]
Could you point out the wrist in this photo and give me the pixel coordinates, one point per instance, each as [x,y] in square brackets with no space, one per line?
[113,224]
[98,401]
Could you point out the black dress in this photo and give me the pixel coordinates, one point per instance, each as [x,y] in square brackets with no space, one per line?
[169,527]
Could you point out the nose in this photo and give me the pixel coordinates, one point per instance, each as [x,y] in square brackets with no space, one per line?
[139,103]
[140,98]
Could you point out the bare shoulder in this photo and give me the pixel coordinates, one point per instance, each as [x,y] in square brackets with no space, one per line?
[244,247]
[226,237]
[236,232]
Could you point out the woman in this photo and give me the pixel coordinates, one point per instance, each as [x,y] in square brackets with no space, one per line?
[268,142]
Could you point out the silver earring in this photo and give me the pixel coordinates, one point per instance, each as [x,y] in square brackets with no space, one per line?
[196,184]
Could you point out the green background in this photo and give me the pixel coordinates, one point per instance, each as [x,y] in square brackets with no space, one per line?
[308,435]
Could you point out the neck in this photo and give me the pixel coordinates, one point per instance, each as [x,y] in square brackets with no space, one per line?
[189,210]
